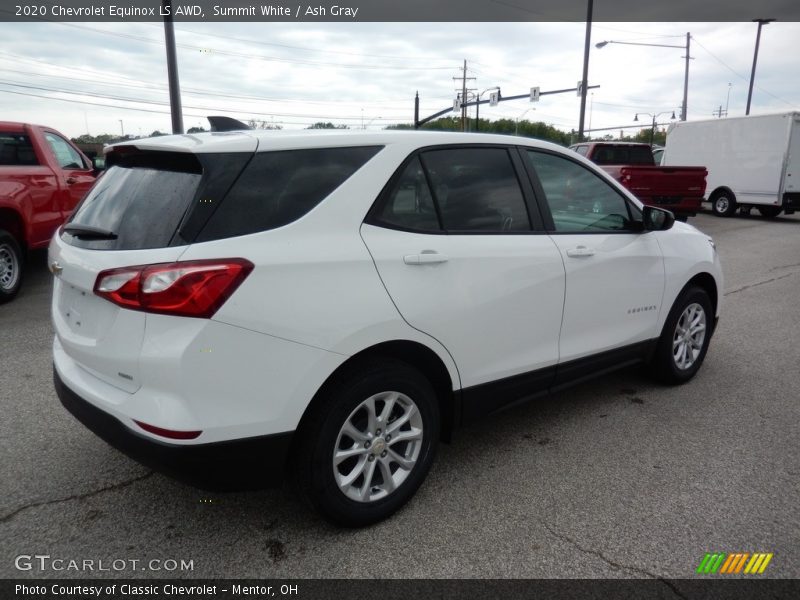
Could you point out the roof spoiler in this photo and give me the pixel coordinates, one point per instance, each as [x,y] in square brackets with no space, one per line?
[226,124]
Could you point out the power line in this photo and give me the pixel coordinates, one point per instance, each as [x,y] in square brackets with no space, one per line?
[253,56]
[165,112]
[724,64]
[205,108]
[303,48]
[68,68]
[71,100]
[636,32]
[636,107]
[204,92]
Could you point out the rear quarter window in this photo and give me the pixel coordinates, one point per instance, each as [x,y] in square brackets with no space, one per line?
[277,188]
[16,149]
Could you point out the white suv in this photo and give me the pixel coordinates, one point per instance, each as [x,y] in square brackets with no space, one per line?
[329,306]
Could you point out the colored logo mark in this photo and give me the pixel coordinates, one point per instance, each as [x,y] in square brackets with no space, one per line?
[734,563]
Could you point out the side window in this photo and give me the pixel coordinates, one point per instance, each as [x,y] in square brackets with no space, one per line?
[582,150]
[16,149]
[579,200]
[410,205]
[279,187]
[476,190]
[65,154]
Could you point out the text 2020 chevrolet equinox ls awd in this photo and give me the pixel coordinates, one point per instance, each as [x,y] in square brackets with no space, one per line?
[329,306]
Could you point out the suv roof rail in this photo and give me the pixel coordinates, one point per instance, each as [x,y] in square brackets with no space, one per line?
[226,124]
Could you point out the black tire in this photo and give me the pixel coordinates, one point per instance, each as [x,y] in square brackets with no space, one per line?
[321,435]
[770,212]
[723,203]
[11,266]
[665,364]
[682,218]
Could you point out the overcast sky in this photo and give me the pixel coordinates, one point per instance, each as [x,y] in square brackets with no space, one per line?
[89,77]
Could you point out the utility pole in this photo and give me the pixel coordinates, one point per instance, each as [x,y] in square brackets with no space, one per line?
[760,22]
[585,79]
[685,108]
[172,69]
[463,95]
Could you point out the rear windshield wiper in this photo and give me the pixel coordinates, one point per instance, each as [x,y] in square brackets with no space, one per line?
[89,232]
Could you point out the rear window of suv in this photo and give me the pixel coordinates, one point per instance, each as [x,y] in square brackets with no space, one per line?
[277,188]
[160,199]
[140,200]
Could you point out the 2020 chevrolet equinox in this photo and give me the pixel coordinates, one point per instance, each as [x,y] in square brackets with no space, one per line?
[236,307]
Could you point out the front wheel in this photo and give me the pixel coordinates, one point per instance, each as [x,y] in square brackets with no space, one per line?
[724,204]
[11,262]
[368,444]
[684,340]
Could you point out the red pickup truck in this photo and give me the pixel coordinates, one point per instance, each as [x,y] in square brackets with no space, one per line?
[42,177]
[678,189]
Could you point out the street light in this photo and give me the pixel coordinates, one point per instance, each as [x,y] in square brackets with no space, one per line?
[516,127]
[653,128]
[684,108]
[760,22]
[478,106]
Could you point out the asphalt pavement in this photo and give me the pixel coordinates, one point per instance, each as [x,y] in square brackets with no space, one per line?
[617,478]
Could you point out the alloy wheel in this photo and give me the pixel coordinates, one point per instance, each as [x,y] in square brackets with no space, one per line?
[378,446]
[689,335]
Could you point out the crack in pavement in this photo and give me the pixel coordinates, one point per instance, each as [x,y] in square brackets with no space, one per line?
[751,285]
[783,267]
[116,486]
[614,564]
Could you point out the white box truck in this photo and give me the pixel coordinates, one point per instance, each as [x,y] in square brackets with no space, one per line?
[752,161]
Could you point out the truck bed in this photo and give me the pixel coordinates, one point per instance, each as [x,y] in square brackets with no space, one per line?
[679,189]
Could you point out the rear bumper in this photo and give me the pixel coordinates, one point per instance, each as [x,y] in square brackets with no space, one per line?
[249,463]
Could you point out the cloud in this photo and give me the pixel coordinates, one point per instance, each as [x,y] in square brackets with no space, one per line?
[299,73]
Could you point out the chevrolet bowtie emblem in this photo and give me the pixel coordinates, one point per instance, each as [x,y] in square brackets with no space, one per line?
[56,268]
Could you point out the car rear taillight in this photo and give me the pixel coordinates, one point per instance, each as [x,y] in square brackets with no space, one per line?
[195,288]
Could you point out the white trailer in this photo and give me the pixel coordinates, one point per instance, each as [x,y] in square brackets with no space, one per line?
[752,161]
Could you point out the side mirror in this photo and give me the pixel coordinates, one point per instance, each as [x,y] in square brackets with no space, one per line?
[657,219]
[99,163]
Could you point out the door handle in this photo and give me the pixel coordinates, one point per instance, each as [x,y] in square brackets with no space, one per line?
[71,180]
[580,251]
[426,257]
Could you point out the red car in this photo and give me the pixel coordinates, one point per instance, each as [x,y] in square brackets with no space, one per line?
[42,177]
